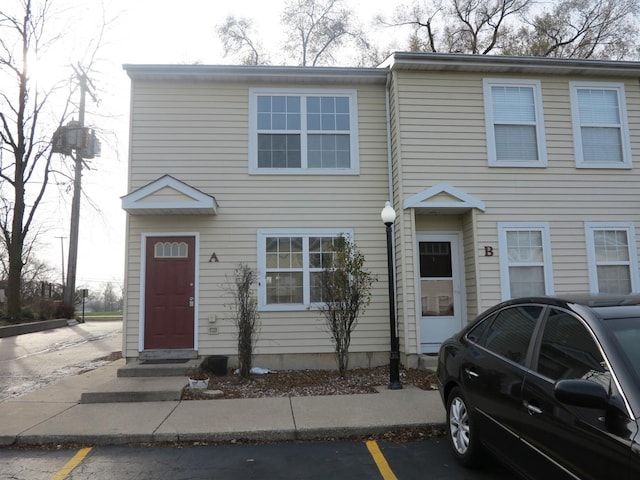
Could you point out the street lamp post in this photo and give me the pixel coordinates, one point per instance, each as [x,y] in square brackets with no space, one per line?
[388,217]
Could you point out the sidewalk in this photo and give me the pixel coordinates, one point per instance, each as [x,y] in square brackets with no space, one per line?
[53,415]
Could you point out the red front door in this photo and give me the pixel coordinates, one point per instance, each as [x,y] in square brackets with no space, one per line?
[169,293]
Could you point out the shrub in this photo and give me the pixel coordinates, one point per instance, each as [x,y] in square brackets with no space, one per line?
[246,315]
[346,293]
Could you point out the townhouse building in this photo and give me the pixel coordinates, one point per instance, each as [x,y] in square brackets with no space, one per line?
[510,176]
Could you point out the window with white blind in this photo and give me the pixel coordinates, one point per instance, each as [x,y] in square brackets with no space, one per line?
[525,260]
[515,123]
[611,253]
[600,130]
[290,265]
[303,131]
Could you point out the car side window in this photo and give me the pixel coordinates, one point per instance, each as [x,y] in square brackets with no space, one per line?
[475,334]
[509,335]
[569,351]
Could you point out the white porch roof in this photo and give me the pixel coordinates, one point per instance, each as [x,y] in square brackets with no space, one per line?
[169,196]
[443,198]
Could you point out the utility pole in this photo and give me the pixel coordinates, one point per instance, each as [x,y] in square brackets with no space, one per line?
[80,143]
[70,290]
[62,263]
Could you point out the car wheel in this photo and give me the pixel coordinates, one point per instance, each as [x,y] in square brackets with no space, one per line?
[462,434]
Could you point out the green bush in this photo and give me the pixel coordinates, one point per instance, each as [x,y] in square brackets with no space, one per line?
[27,314]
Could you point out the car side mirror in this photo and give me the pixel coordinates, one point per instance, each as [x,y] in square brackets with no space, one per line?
[581,393]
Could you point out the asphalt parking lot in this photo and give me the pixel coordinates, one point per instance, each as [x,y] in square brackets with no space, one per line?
[426,460]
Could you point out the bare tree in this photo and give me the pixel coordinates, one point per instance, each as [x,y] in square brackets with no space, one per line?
[316,29]
[581,29]
[467,26]
[421,18]
[111,299]
[39,284]
[26,153]
[238,37]
[566,28]
[30,112]
[34,272]
[477,24]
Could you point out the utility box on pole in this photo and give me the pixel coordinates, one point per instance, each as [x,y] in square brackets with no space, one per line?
[75,138]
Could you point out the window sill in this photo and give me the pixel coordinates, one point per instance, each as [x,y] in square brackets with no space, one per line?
[303,171]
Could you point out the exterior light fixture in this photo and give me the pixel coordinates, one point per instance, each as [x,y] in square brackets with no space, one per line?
[388,216]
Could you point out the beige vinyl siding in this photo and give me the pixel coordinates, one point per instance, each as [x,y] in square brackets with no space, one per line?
[441,132]
[470,264]
[404,233]
[198,133]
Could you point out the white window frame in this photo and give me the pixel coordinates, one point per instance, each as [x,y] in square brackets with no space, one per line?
[306,233]
[629,228]
[487,84]
[351,94]
[546,264]
[577,125]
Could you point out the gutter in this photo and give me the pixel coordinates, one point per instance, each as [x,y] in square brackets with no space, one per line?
[260,73]
[509,64]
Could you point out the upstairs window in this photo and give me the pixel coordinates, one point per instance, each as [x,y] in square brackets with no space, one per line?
[600,130]
[515,124]
[303,132]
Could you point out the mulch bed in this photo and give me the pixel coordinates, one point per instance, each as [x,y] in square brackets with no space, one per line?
[294,383]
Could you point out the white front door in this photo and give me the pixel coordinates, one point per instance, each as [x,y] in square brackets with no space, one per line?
[439,290]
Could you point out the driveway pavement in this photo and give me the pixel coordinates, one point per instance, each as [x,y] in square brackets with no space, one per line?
[34,360]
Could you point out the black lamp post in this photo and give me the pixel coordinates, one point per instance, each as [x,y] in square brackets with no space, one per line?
[388,217]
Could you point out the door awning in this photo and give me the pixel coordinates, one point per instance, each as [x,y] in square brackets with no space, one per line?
[444,199]
[169,196]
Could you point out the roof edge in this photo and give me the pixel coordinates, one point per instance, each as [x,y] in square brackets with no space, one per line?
[506,63]
[255,72]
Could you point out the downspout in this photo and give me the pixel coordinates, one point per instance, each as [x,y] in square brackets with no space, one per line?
[391,199]
[388,120]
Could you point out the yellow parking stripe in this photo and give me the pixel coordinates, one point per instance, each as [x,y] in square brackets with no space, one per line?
[381,462]
[71,464]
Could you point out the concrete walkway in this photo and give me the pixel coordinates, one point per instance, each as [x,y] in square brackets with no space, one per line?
[53,415]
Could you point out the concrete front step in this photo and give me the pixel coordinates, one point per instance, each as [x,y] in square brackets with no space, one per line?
[157,370]
[138,389]
[428,362]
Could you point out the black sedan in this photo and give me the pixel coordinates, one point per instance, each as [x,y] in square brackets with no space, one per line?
[551,386]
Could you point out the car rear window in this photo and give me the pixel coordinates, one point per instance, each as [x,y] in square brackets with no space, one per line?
[509,333]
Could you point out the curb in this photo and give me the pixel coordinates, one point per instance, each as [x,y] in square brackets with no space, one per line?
[285,435]
[22,328]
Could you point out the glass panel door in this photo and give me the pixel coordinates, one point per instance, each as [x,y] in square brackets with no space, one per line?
[436,279]
[439,289]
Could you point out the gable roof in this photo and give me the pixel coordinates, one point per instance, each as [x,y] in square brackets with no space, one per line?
[443,197]
[169,196]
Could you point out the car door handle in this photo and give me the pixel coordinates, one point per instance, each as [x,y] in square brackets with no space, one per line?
[532,409]
[471,373]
